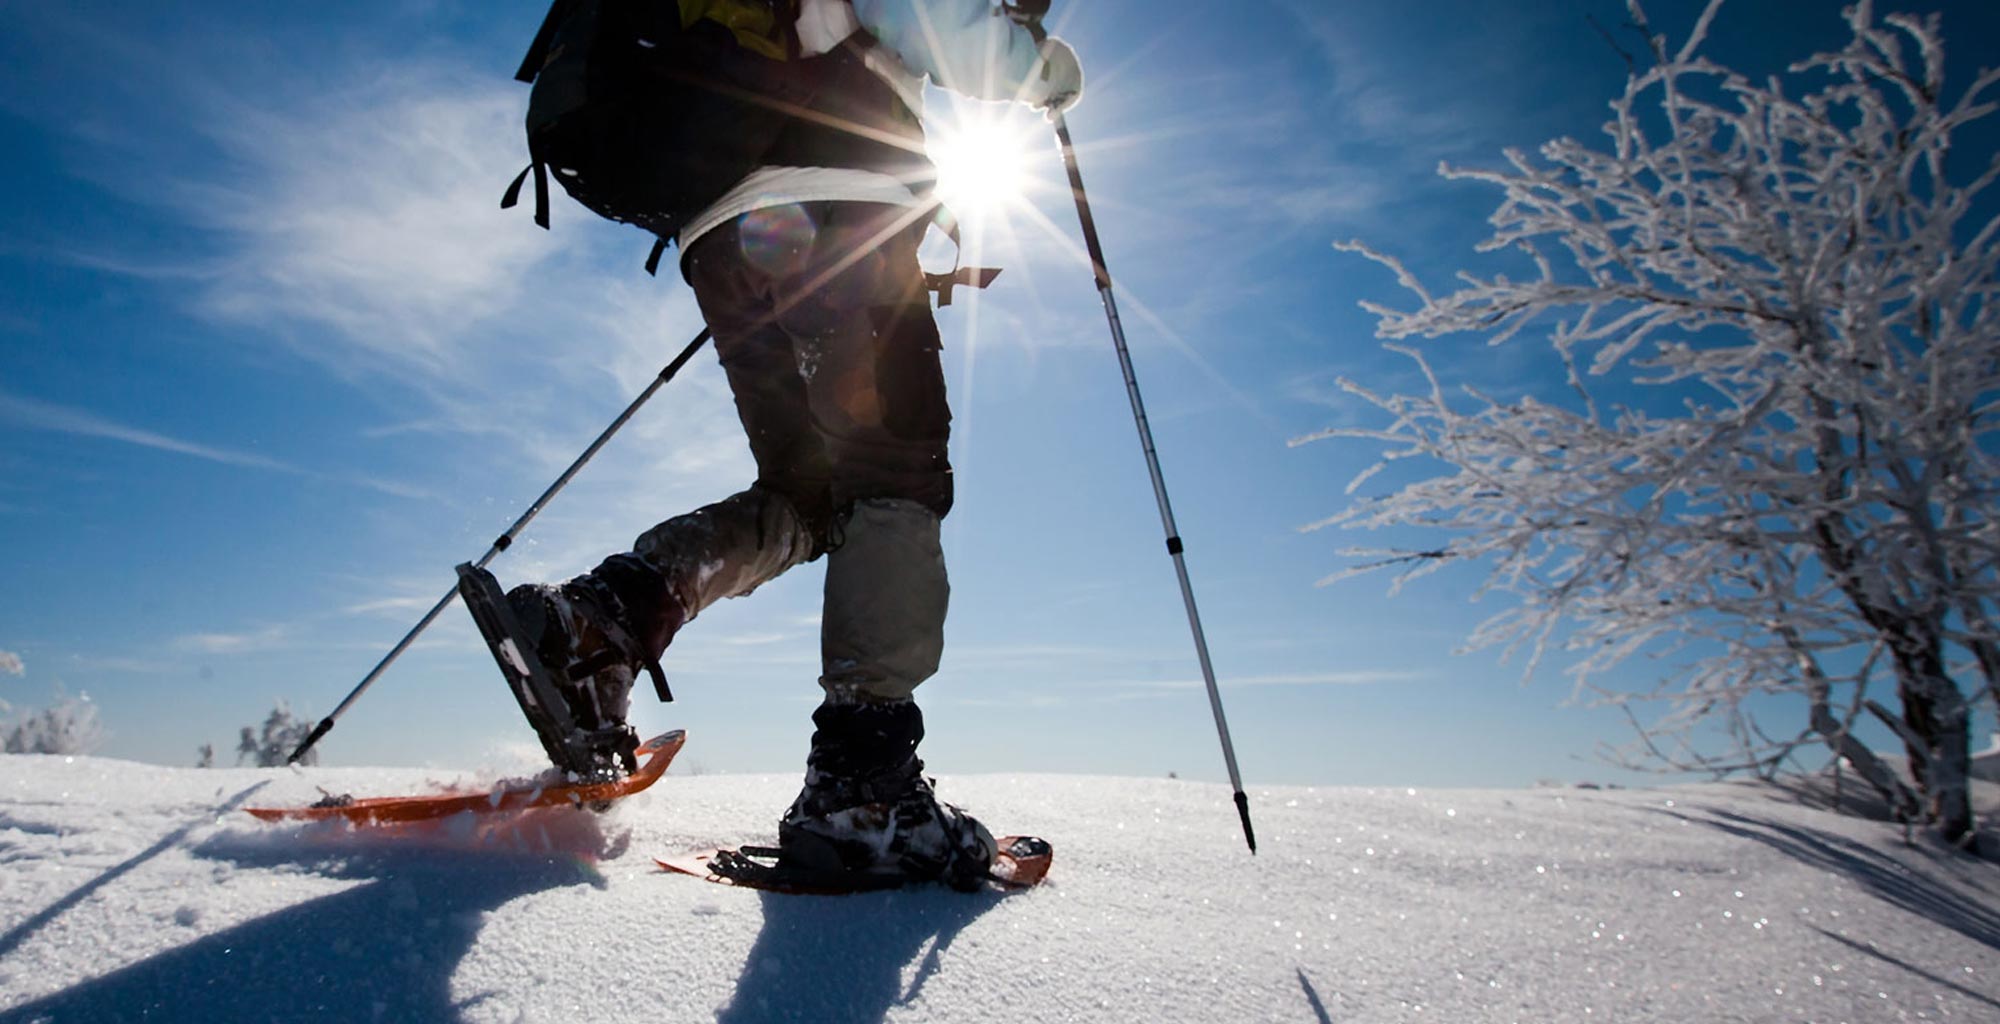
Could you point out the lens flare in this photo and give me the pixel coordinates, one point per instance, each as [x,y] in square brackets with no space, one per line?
[777,239]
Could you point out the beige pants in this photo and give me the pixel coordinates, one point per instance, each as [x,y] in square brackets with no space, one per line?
[882,625]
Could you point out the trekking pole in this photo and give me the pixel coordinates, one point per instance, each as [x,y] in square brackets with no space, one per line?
[503,542]
[1029,13]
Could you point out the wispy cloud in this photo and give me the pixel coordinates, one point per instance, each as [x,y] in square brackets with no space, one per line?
[1015,658]
[268,638]
[1322,388]
[1336,139]
[367,231]
[1037,701]
[10,664]
[1376,94]
[342,202]
[754,639]
[1308,171]
[134,665]
[37,414]
[1126,691]
[1359,677]
[391,607]
[1319,387]
[372,209]
[371,215]
[40,415]
[1103,692]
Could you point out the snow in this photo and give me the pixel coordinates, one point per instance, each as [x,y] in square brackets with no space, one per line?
[135,891]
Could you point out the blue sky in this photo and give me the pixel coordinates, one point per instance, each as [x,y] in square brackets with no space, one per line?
[272,361]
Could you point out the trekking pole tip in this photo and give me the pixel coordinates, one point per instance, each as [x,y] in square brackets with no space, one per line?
[324,727]
[1243,812]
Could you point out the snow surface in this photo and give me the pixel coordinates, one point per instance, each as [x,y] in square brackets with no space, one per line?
[132,891]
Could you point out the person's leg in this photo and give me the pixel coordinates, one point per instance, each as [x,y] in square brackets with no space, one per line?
[823,328]
[883,614]
[868,352]
[731,547]
[597,630]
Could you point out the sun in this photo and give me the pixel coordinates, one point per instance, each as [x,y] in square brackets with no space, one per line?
[982,155]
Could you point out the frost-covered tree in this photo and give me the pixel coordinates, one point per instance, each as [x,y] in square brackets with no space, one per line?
[204,756]
[1789,287]
[281,734]
[69,726]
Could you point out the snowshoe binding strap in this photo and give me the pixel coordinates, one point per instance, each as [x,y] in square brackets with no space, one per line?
[1022,863]
[624,647]
[765,867]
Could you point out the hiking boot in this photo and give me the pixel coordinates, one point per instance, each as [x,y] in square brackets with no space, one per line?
[867,815]
[587,639]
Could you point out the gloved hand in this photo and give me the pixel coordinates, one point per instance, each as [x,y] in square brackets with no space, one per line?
[1057,82]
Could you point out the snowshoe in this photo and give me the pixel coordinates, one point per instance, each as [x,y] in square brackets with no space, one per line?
[867,817]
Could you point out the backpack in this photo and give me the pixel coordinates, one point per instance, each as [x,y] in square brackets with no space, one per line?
[648,111]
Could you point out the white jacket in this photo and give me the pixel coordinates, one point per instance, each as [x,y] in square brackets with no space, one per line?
[967,46]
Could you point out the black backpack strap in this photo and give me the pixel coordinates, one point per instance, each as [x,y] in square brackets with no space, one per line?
[513,193]
[971,277]
[538,51]
[531,67]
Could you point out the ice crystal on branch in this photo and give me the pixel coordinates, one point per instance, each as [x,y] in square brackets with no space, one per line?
[1775,305]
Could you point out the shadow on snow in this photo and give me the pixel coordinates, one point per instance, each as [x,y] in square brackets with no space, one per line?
[843,959]
[384,950]
[1887,877]
[1313,1000]
[20,933]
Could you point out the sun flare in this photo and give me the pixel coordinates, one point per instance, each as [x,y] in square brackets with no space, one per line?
[982,161]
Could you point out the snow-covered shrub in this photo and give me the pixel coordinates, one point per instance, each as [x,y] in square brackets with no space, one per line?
[1777,307]
[281,734]
[69,726]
